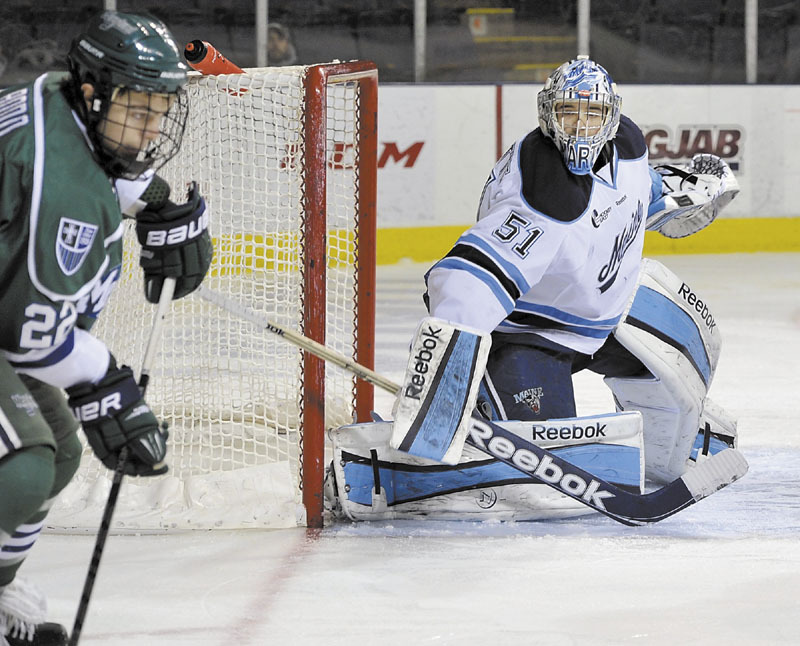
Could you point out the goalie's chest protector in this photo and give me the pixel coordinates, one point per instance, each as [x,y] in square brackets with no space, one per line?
[586,236]
[60,219]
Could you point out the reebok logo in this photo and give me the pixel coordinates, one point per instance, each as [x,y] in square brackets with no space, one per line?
[422,359]
[700,307]
[572,432]
[545,469]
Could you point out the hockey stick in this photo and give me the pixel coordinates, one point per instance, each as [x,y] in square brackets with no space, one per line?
[167,290]
[537,463]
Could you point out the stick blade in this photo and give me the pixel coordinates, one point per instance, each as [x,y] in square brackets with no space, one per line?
[716,472]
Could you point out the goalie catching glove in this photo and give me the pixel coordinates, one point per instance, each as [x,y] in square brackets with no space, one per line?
[114,415]
[175,244]
[691,195]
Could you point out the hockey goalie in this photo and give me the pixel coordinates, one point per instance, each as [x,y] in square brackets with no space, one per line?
[550,281]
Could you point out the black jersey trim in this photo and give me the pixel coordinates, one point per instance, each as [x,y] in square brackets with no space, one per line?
[476,257]
[557,194]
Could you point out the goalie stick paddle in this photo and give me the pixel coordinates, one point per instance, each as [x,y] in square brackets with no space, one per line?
[167,290]
[537,463]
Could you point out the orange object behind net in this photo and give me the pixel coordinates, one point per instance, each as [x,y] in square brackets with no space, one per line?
[204,57]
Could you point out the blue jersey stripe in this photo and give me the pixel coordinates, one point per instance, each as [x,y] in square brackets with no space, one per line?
[565,317]
[54,357]
[502,296]
[531,323]
[509,268]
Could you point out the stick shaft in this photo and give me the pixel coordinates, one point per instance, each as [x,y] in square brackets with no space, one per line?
[167,290]
[302,342]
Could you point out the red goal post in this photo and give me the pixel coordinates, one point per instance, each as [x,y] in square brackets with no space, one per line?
[286,159]
[316,155]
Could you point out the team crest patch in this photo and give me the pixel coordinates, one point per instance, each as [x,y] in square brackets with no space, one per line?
[73,244]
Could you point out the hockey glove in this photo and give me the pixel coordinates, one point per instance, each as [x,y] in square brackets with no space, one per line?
[113,415]
[175,244]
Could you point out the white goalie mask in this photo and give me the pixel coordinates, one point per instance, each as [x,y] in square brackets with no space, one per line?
[579,110]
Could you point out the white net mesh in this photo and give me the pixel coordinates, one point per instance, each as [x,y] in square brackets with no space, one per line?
[231,393]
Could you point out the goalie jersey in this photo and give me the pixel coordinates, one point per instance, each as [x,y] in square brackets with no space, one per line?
[552,253]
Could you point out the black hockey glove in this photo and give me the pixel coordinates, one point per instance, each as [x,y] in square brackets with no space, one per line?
[113,415]
[175,244]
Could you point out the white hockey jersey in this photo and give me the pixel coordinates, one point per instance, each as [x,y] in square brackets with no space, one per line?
[552,253]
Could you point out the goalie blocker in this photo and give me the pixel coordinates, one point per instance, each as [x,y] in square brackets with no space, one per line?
[433,407]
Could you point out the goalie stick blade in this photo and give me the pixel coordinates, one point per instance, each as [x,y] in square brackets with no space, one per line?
[716,472]
[699,482]
[617,503]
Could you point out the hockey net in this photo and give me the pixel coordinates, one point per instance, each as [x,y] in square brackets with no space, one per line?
[286,160]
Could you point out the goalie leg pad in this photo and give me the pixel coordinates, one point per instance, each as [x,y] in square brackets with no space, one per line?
[376,482]
[674,334]
[433,408]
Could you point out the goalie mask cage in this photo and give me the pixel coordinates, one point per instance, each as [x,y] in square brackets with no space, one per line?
[286,160]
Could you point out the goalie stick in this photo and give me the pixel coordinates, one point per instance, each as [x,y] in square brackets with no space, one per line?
[539,464]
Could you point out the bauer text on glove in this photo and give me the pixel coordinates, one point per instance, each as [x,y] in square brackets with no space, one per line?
[175,244]
[114,414]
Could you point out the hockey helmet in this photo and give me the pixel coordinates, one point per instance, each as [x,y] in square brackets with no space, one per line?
[119,53]
[579,110]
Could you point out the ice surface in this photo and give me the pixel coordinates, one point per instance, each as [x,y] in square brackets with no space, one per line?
[724,571]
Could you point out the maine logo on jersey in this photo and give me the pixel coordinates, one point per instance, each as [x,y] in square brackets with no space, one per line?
[73,243]
[531,397]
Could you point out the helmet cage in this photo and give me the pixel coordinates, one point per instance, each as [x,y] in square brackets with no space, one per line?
[579,110]
[120,140]
[120,54]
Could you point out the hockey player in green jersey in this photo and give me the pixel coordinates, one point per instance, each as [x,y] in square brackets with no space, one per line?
[76,150]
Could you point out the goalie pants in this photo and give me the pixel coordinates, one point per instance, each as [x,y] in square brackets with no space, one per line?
[530,378]
[39,453]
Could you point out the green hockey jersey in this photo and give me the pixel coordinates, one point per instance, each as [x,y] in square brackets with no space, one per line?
[60,236]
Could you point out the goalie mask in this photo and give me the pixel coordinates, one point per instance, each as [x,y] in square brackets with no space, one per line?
[579,110]
[136,113]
